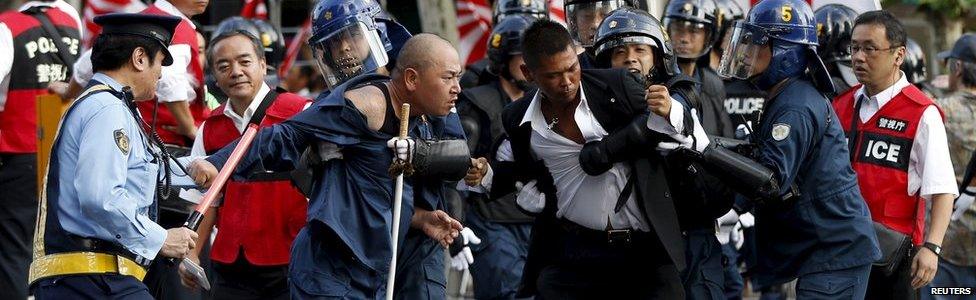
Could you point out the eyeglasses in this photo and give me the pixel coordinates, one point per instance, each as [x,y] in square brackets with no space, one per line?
[868,50]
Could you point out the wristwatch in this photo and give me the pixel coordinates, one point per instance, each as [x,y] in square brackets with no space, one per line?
[935,248]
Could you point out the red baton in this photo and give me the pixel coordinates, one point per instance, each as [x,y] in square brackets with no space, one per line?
[218,184]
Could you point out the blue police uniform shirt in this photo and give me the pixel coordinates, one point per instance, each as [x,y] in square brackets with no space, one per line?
[828,227]
[107,188]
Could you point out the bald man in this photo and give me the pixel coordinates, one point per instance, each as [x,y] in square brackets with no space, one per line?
[344,250]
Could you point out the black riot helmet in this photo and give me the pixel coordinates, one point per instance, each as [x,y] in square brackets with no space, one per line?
[835,25]
[727,12]
[506,41]
[634,26]
[538,9]
[235,24]
[273,42]
[914,64]
[698,15]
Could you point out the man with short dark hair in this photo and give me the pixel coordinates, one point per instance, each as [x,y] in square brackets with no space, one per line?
[587,242]
[898,149]
[495,218]
[957,268]
[96,226]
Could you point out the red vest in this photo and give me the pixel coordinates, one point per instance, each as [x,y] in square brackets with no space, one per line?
[184,35]
[35,65]
[261,216]
[882,153]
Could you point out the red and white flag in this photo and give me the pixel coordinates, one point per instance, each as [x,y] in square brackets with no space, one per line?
[474,27]
[557,12]
[255,9]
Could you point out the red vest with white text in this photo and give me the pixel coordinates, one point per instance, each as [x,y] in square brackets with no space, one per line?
[35,65]
[262,216]
[881,157]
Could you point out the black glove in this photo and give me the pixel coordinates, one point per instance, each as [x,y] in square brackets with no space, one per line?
[627,143]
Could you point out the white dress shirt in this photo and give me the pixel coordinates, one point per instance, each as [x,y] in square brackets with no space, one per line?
[929,168]
[176,82]
[583,199]
[7,42]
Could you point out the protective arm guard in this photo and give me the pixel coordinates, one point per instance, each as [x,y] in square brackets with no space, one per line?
[625,144]
[744,175]
[441,159]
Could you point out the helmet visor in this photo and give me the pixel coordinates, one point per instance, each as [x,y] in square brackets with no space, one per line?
[584,19]
[350,51]
[742,51]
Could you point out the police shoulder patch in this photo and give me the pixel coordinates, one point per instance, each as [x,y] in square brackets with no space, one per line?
[780,131]
[122,141]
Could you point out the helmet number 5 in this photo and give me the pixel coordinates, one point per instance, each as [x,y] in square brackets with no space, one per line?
[787,13]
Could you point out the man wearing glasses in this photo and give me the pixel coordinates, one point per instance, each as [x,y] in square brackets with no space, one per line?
[899,151]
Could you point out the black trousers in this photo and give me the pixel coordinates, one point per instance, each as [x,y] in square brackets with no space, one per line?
[242,280]
[92,286]
[898,286]
[18,213]
[589,267]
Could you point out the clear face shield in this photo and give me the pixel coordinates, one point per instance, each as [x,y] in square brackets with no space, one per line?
[350,51]
[741,51]
[584,19]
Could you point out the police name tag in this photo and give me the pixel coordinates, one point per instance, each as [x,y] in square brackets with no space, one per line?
[780,131]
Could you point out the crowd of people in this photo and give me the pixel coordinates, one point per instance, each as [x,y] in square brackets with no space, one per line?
[617,156]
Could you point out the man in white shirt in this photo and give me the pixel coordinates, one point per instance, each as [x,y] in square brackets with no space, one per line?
[181,87]
[899,152]
[592,232]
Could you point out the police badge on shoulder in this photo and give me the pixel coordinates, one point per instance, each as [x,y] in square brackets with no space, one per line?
[780,131]
[122,141]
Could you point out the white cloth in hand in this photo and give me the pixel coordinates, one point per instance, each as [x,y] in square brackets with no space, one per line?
[529,197]
[963,203]
[402,148]
[697,141]
[747,220]
[462,259]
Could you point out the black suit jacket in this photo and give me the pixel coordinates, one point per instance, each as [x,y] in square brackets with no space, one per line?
[616,98]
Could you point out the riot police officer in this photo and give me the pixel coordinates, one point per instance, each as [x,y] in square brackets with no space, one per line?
[536,9]
[496,217]
[633,39]
[835,24]
[693,28]
[813,224]
[726,13]
[583,17]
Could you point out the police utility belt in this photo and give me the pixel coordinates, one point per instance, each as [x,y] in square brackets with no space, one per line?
[102,257]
